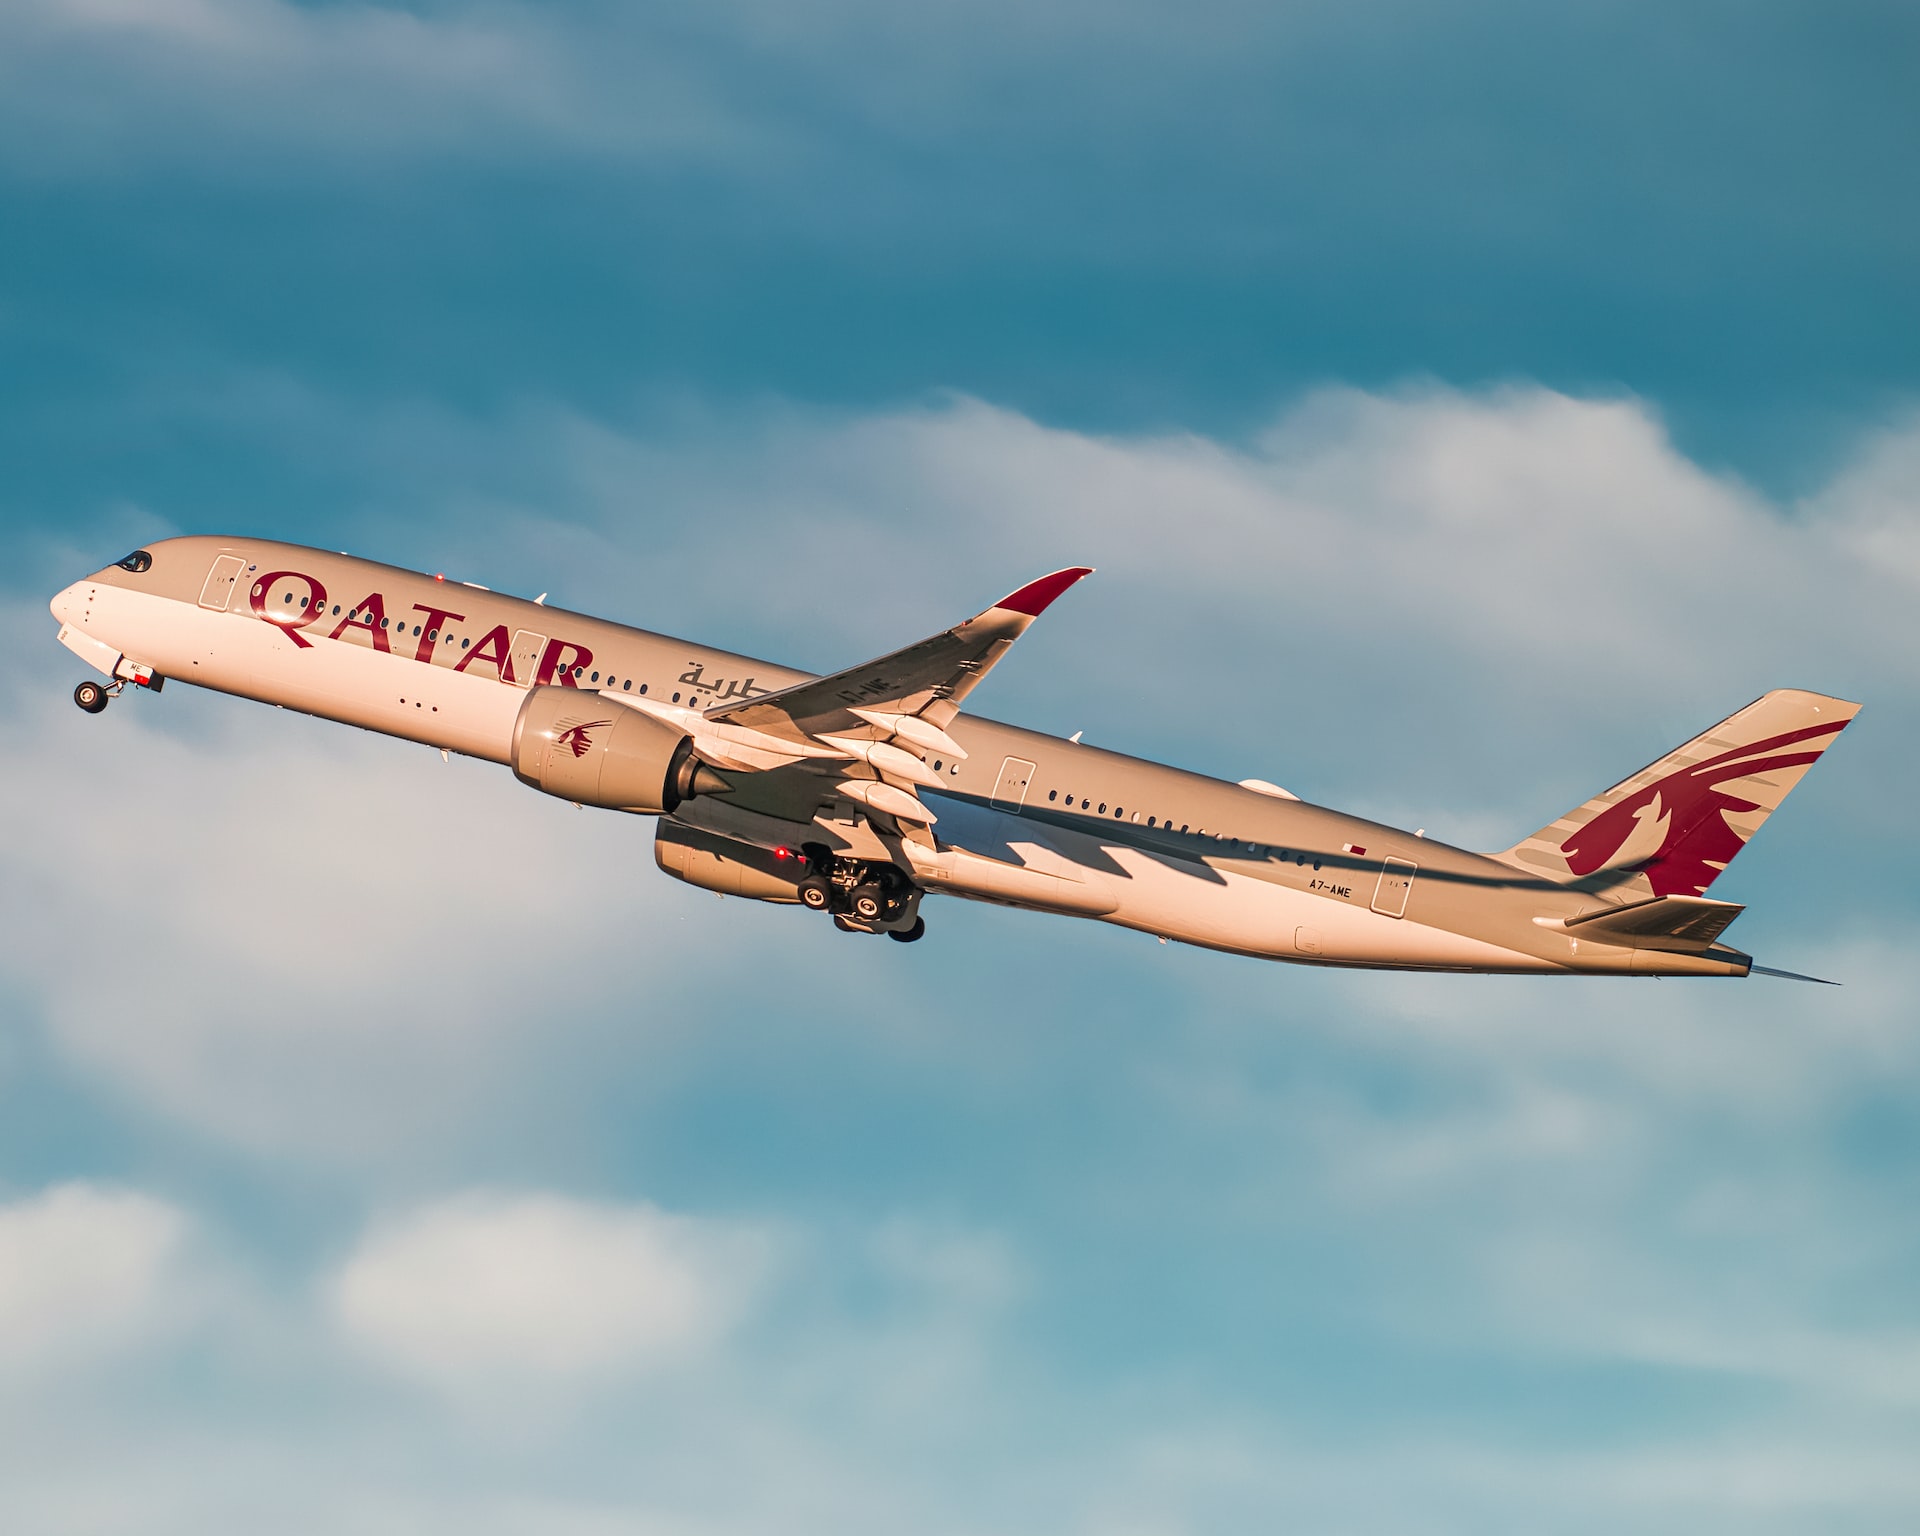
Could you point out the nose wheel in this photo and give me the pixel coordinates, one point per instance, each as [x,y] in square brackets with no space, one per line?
[92,696]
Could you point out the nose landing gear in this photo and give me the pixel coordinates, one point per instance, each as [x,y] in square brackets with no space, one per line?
[93,697]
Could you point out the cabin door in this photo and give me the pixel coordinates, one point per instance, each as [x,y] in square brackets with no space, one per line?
[1396,885]
[525,656]
[1016,777]
[218,591]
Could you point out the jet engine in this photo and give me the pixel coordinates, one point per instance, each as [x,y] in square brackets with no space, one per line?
[722,864]
[577,745]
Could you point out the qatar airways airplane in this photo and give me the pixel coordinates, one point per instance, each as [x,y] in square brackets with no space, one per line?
[860,793]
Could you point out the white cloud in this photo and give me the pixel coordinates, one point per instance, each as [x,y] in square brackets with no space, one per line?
[951,1271]
[1468,610]
[483,1289]
[1553,542]
[84,1271]
[101,83]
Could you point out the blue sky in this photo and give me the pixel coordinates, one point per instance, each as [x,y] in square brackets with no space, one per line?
[1463,406]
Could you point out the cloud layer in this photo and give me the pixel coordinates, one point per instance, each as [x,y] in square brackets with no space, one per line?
[85,1271]
[487,1289]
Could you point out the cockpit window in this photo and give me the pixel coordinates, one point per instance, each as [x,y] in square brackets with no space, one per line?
[139,562]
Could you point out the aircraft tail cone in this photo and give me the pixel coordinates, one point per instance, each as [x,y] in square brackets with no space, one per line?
[1767,970]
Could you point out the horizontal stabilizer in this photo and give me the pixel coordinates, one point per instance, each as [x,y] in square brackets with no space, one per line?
[1684,923]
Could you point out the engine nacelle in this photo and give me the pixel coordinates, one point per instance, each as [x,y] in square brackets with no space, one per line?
[576,745]
[722,864]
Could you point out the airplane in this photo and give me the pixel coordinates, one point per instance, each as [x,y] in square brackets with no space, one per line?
[860,793]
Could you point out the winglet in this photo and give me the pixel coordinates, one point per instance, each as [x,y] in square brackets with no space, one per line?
[1033,598]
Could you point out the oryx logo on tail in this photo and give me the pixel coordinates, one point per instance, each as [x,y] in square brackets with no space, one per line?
[1678,829]
[1677,823]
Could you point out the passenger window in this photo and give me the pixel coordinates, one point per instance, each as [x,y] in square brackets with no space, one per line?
[336,610]
[643,687]
[416,629]
[627,686]
[1052,794]
[676,698]
[596,676]
[384,623]
[1103,807]
[464,643]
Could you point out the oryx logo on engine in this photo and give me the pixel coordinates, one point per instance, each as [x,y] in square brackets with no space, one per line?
[575,738]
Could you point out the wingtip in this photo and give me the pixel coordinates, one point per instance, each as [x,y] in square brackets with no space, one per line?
[1034,597]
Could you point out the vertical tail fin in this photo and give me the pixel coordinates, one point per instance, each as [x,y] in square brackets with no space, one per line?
[1676,824]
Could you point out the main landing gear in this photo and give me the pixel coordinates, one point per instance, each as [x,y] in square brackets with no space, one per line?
[863,897]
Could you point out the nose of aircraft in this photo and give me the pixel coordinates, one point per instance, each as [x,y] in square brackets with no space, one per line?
[66,603]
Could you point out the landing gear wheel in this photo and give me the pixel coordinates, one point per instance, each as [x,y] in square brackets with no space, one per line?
[868,900]
[909,935]
[91,697]
[814,894]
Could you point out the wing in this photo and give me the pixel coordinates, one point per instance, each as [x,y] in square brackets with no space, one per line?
[925,681]
[871,728]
